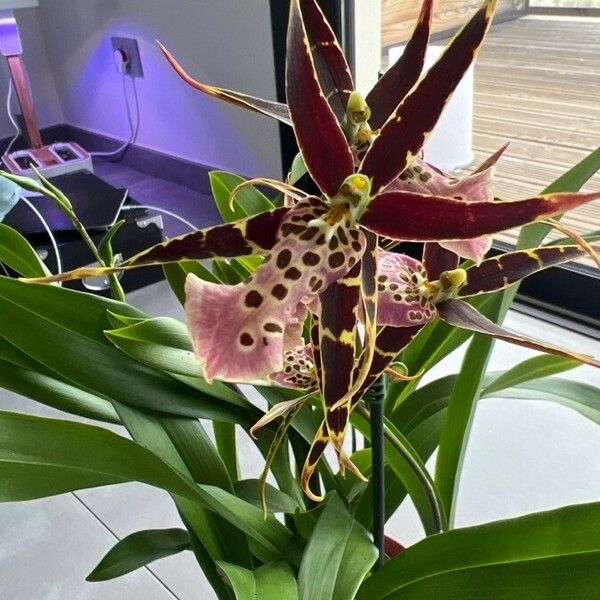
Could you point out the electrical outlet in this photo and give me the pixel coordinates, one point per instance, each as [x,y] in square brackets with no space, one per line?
[130,46]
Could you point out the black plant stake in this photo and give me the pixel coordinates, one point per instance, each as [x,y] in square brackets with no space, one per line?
[374,398]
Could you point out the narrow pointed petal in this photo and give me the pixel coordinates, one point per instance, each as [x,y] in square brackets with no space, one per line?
[421,218]
[252,236]
[405,132]
[278,410]
[389,343]
[463,315]
[319,135]
[337,343]
[277,110]
[317,448]
[240,333]
[437,260]
[403,299]
[491,160]
[330,63]
[501,271]
[399,79]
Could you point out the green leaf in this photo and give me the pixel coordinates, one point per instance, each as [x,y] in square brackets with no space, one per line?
[298,169]
[164,344]
[139,549]
[337,557]
[273,581]
[53,392]
[532,368]
[408,467]
[176,274]
[277,501]
[105,249]
[227,447]
[43,457]
[64,339]
[16,252]
[249,201]
[553,554]
[461,409]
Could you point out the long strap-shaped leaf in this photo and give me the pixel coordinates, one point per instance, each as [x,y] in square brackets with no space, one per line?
[399,79]
[330,63]
[435,218]
[276,110]
[499,272]
[252,236]
[407,128]
[318,133]
[463,315]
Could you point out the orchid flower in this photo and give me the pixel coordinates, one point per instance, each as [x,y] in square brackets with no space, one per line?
[322,253]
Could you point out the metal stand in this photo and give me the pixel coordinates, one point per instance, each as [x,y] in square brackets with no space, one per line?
[374,398]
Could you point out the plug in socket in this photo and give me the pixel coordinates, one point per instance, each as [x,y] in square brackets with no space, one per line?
[130,46]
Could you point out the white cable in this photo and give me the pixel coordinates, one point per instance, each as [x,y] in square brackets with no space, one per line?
[48,231]
[133,128]
[11,116]
[161,210]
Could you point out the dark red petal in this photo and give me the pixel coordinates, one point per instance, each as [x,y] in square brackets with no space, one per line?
[389,343]
[332,69]
[501,271]
[437,260]
[254,235]
[463,315]
[320,138]
[337,343]
[277,110]
[490,161]
[399,79]
[422,218]
[405,132]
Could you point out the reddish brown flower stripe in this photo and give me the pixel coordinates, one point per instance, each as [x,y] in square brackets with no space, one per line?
[501,271]
[418,217]
[399,79]
[276,110]
[463,315]
[405,132]
[318,133]
[330,63]
[437,260]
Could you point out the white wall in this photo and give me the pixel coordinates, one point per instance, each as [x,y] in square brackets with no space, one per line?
[43,89]
[224,42]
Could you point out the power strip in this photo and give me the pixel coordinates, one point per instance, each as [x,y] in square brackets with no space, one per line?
[55,159]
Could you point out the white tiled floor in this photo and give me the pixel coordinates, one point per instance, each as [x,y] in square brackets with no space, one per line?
[523,456]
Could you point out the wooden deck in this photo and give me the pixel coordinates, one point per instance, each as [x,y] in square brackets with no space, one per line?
[537,85]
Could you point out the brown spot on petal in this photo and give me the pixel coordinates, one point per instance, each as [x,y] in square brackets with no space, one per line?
[320,240]
[333,243]
[292,273]
[279,291]
[356,246]
[310,258]
[309,234]
[273,328]
[354,234]
[265,341]
[336,260]
[253,299]
[246,339]
[393,287]
[283,258]
[342,236]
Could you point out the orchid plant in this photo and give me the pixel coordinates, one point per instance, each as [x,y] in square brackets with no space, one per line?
[291,284]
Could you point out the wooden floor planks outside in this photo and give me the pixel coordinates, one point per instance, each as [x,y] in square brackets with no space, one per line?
[537,85]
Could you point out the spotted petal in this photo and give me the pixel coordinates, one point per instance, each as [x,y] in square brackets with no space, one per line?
[403,295]
[398,80]
[435,218]
[319,135]
[269,108]
[298,369]
[251,236]
[463,315]
[501,271]
[240,332]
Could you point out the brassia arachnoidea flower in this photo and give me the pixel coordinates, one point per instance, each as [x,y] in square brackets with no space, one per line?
[323,255]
